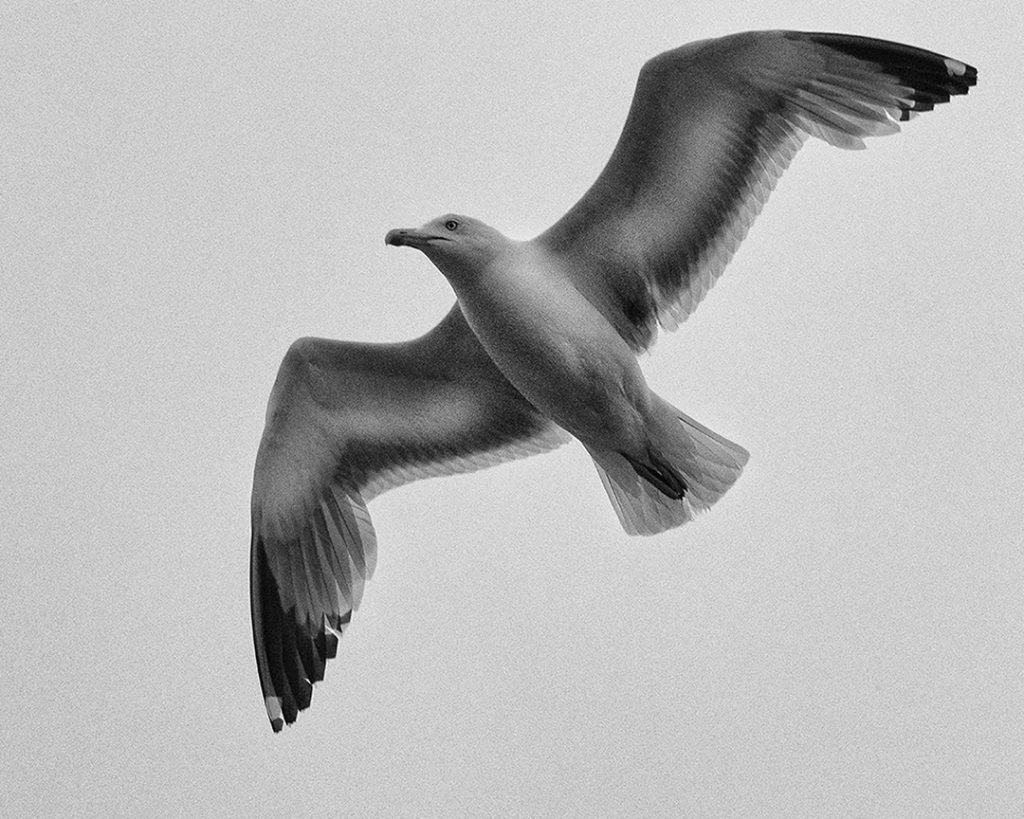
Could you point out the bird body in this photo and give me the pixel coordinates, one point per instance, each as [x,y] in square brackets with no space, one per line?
[554,346]
[543,339]
[569,361]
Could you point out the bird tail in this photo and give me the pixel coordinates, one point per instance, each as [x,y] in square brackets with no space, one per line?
[688,467]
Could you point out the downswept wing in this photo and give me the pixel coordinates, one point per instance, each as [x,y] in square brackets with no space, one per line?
[711,128]
[346,422]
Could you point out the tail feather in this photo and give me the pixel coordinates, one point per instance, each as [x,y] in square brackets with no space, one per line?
[707,463]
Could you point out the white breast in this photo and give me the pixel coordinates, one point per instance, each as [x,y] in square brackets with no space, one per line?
[552,344]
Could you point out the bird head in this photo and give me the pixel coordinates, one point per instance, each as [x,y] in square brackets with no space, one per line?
[457,245]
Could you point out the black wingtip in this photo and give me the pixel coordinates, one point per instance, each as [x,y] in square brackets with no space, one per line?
[304,586]
[291,652]
[933,77]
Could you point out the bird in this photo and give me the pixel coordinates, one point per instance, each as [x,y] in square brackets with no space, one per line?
[541,345]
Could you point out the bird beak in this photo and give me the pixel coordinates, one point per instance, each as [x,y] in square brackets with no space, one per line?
[397,236]
[405,236]
[412,237]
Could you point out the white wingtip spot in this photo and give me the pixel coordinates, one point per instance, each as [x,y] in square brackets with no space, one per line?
[274,712]
[955,67]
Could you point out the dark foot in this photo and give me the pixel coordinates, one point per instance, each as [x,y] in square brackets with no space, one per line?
[663,476]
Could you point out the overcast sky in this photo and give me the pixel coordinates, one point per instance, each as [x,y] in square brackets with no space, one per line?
[185,191]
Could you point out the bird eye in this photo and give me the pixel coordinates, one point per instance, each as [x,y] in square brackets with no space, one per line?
[451,224]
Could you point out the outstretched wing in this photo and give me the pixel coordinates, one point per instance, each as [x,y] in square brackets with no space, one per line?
[711,128]
[345,422]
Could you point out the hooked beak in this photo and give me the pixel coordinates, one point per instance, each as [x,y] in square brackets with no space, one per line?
[411,237]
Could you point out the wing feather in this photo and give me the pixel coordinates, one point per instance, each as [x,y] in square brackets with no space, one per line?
[712,127]
[346,422]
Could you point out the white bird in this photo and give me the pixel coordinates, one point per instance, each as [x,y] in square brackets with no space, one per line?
[542,342]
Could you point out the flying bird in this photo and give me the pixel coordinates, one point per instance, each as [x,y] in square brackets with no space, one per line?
[541,345]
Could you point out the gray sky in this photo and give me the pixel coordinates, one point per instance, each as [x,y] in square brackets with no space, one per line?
[184,192]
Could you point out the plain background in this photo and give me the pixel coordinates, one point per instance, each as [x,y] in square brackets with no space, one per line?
[185,190]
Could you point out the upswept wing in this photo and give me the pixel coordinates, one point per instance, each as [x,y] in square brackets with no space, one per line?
[345,422]
[711,128]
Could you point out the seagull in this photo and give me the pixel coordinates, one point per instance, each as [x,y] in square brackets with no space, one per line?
[541,345]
